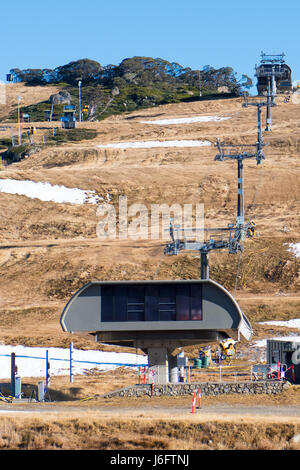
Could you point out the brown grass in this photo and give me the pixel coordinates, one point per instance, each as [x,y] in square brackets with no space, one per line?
[96,433]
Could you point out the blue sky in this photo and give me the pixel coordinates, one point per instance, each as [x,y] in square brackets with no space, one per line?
[194,33]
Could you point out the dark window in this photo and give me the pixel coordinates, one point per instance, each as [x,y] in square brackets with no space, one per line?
[120,303]
[152,303]
[167,302]
[135,303]
[157,302]
[196,302]
[183,302]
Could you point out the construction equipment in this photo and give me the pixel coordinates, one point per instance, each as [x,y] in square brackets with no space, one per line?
[225,350]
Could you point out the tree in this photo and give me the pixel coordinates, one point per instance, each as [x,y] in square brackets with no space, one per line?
[146,70]
[248,82]
[30,76]
[85,70]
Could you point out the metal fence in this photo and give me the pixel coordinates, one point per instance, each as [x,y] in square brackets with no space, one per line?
[70,361]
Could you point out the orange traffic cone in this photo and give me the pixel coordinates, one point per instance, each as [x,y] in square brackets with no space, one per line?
[199,398]
[194,403]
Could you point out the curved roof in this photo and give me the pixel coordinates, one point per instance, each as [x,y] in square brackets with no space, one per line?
[198,309]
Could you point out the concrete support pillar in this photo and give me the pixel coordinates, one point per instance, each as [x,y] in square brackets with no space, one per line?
[173,369]
[158,360]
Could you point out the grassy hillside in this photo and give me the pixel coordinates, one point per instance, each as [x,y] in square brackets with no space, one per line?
[136,83]
[52,249]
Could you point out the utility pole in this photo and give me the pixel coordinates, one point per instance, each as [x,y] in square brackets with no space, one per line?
[200,92]
[79,86]
[274,89]
[52,110]
[19,120]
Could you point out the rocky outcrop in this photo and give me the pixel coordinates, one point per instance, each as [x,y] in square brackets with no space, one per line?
[62,97]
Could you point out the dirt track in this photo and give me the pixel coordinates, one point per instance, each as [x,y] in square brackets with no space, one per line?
[282,413]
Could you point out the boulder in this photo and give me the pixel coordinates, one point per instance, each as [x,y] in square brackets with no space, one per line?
[62,97]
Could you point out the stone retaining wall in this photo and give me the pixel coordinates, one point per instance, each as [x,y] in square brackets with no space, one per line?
[207,388]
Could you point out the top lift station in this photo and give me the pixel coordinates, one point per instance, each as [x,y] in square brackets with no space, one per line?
[274,68]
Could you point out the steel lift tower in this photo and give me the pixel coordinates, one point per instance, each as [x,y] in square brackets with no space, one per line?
[259,143]
[233,235]
[270,102]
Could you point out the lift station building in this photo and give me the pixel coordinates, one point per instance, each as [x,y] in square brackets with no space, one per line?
[273,67]
[157,317]
[287,353]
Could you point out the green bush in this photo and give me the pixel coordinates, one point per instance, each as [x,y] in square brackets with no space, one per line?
[70,135]
[16,153]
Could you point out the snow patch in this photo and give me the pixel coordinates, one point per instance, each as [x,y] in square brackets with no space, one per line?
[191,120]
[295,323]
[156,143]
[49,193]
[31,362]
[295,249]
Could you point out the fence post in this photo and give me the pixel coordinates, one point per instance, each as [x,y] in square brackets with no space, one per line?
[71,363]
[293,373]
[13,373]
[47,369]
